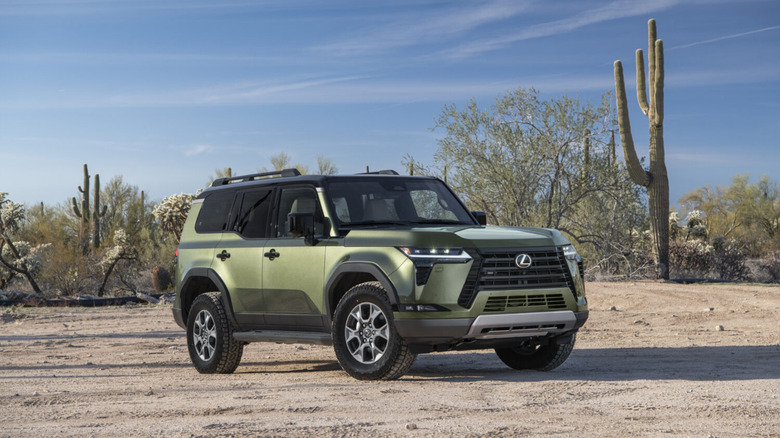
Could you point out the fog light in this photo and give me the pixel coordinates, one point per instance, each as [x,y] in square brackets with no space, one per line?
[422,308]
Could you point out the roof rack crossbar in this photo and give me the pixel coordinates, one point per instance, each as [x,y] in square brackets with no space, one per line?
[380,172]
[279,173]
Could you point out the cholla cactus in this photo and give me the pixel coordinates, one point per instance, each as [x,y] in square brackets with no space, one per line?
[115,253]
[30,256]
[122,250]
[17,257]
[11,215]
[172,212]
[696,227]
[674,225]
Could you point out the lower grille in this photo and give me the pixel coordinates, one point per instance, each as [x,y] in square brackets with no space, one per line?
[501,303]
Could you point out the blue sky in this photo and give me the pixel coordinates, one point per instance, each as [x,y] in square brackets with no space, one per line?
[165,92]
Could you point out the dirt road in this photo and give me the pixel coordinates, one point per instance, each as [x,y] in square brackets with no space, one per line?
[657,365]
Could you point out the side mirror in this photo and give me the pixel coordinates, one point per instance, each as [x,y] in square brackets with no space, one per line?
[302,225]
[480,216]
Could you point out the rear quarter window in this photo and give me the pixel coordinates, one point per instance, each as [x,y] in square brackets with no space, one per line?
[214,213]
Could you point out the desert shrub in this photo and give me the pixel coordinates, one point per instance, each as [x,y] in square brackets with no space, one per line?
[65,271]
[690,258]
[730,263]
[768,268]
[161,279]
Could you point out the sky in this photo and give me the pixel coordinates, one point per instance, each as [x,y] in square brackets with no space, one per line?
[165,92]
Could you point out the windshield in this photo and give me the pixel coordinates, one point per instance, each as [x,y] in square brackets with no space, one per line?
[395,201]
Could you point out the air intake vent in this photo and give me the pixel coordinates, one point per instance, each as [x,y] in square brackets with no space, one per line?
[548,301]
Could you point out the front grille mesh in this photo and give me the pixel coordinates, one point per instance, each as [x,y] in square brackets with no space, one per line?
[501,303]
[500,272]
[496,270]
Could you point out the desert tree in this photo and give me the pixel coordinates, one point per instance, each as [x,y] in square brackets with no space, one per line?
[545,163]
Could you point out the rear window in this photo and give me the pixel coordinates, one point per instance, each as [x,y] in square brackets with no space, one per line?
[252,218]
[214,213]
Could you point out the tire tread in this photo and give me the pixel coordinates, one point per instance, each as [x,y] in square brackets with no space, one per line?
[231,350]
[403,359]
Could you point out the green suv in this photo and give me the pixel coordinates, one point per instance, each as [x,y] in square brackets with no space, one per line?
[381,266]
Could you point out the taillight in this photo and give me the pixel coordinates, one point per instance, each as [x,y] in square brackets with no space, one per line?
[176,253]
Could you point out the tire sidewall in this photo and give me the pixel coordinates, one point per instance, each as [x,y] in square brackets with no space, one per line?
[201,303]
[546,358]
[364,293]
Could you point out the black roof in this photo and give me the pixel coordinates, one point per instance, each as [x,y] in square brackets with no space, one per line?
[289,176]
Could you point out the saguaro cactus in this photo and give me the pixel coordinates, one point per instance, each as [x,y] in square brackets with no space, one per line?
[85,214]
[655,180]
[97,215]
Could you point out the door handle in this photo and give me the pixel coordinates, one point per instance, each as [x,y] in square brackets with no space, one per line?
[223,255]
[272,254]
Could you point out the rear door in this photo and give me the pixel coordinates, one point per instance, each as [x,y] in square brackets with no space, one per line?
[239,255]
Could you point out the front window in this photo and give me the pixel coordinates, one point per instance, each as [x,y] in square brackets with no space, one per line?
[395,201]
[298,200]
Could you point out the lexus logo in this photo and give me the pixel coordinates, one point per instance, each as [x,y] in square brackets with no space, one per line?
[523,261]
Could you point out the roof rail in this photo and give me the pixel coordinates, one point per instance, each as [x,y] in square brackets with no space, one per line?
[380,172]
[279,173]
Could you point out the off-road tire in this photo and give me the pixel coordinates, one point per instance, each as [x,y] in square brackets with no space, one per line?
[533,357]
[207,316]
[395,358]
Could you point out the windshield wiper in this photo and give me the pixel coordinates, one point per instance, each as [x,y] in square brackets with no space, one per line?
[363,223]
[441,221]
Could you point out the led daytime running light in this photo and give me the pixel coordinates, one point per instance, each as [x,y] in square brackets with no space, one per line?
[571,253]
[454,254]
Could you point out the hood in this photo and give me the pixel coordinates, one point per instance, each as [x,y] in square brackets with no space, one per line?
[457,237]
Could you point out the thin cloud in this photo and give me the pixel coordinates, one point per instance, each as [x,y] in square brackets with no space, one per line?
[88,7]
[134,58]
[724,77]
[434,26]
[231,94]
[707,158]
[198,150]
[369,90]
[727,37]
[615,10]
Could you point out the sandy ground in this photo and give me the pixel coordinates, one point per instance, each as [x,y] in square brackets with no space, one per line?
[657,365]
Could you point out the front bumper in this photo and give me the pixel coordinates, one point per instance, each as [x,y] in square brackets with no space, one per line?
[507,326]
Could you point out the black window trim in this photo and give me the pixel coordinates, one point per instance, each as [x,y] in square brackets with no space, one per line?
[235,211]
[274,224]
[230,216]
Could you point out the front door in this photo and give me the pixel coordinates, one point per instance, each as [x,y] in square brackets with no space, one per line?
[292,271]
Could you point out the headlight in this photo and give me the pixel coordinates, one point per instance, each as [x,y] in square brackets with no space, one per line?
[571,253]
[436,255]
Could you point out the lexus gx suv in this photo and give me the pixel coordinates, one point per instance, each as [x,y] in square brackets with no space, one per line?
[383,267]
